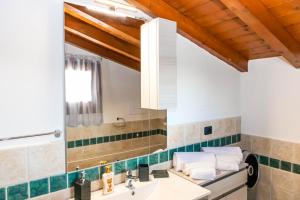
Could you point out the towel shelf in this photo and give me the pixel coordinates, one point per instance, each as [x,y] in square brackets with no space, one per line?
[56,134]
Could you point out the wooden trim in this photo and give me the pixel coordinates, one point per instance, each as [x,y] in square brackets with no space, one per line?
[261,21]
[100,24]
[101,38]
[101,51]
[194,32]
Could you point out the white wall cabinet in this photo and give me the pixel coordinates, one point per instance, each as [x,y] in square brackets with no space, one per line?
[158,65]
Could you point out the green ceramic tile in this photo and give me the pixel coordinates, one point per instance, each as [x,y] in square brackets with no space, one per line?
[99,140]
[223,141]
[112,138]
[86,142]
[228,140]
[264,160]
[145,134]
[171,153]
[234,139]
[296,169]
[153,132]
[165,133]
[129,135]
[274,163]
[287,166]
[135,135]
[18,192]
[238,137]
[217,142]
[189,148]
[71,144]
[181,149]
[210,143]
[118,137]
[2,194]
[58,182]
[73,177]
[92,174]
[106,139]
[204,144]
[132,164]
[39,187]
[153,159]
[78,143]
[93,141]
[119,167]
[124,136]
[163,156]
[143,160]
[140,134]
[197,147]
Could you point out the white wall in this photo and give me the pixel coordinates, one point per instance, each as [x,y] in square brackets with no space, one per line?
[31,67]
[270,100]
[207,87]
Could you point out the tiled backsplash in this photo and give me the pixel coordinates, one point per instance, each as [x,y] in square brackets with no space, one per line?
[59,186]
[62,182]
[279,168]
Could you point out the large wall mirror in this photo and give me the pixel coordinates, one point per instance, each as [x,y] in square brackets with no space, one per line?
[104,119]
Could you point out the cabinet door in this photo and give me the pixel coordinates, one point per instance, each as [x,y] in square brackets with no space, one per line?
[240,194]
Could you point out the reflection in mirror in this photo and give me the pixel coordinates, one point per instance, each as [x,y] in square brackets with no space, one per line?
[104,121]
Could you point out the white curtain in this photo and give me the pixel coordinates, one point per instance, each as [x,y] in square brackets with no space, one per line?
[83,91]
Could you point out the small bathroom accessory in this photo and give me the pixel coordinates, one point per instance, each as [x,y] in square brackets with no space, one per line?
[143,172]
[252,169]
[82,188]
[108,180]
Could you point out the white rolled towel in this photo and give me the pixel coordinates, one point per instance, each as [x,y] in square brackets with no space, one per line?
[225,150]
[228,162]
[203,173]
[180,158]
[206,160]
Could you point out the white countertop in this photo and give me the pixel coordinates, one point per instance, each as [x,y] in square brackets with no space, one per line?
[172,188]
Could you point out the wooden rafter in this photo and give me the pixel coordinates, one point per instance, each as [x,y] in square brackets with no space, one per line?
[194,32]
[100,37]
[99,50]
[260,20]
[75,12]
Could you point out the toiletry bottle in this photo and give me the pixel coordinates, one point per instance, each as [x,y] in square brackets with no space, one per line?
[82,188]
[108,180]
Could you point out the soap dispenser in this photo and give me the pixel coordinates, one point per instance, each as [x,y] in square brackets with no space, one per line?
[82,188]
[108,180]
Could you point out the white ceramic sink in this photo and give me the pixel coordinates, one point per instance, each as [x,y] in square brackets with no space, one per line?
[172,188]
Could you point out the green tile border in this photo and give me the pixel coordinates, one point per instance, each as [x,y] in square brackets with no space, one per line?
[39,187]
[114,138]
[63,181]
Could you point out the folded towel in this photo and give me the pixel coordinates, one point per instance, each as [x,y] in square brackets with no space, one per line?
[203,173]
[229,162]
[181,158]
[225,150]
[227,166]
[208,160]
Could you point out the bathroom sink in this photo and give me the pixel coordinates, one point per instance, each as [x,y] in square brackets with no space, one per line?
[141,192]
[172,188]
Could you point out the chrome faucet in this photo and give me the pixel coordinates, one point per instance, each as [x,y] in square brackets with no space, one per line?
[128,181]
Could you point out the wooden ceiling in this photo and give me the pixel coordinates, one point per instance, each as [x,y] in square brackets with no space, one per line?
[235,31]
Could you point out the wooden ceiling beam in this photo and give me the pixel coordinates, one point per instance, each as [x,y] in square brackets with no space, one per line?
[73,11]
[100,37]
[260,20]
[101,51]
[194,32]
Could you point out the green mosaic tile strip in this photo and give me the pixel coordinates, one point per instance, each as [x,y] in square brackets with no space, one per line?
[132,164]
[296,168]
[287,166]
[63,181]
[58,182]
[274,163]
[114,138]
[264,160]
[39,187]
[2,194]
[163,156]
[18,192]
